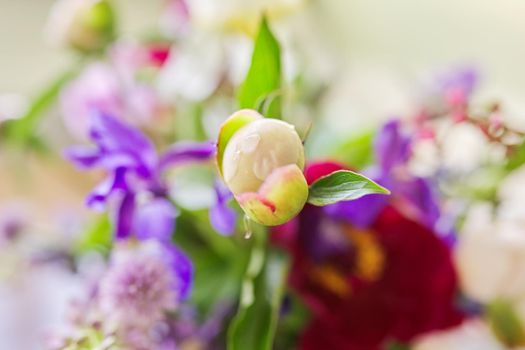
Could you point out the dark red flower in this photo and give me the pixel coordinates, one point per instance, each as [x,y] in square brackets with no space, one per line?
[365,287]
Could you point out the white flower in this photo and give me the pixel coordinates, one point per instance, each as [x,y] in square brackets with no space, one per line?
[490,256]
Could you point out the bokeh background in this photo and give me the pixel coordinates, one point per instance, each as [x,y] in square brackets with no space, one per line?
[376,56]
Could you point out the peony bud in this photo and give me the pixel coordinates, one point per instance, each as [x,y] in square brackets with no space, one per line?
[85,25]
[261,161]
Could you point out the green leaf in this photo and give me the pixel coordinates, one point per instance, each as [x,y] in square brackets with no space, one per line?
[342,185]
[264,76]
[255,323]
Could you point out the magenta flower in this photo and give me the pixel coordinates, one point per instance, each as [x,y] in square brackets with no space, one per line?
[135,186]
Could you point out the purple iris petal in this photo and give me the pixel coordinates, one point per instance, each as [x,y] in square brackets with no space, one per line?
[182,268]
[391,146]
[156,220]
[222,217]
[98,197]
[124,216]
[123,142]
[187,151]
[83,157]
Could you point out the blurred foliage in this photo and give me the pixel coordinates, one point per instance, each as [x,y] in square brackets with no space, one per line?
[98,237]
[517,158]
[263,286]
[356,152]
[219,261]
[506,323]
[294,316]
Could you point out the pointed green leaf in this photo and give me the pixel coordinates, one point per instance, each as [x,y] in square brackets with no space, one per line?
[342,185]
[264,76]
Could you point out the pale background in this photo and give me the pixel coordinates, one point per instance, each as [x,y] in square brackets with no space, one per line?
[407,36]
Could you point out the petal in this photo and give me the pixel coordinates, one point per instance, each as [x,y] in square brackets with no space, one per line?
[115,137]
[83,157]
[186,152]
[223,218]
[236,121]
[391,146]
[422,199]
[182,268]
[462,79]
[156,220]
[316,170]
[360,212]
[280,198]
[124,216]
[98,197]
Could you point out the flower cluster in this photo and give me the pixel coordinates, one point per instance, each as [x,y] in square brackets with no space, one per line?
[219,221]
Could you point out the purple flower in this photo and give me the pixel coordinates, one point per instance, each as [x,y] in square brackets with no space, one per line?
[144,282]
[135,184]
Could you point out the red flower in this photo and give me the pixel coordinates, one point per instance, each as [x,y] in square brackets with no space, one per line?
[391,281]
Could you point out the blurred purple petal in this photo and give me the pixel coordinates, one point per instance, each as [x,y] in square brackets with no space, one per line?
[83,157]
[463,79]
[182,268]
[421,195]
[98,197]
[116,138]
[222,217]
[124,216]
[156,220]
[186,152]
[360,212]
[391,146]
